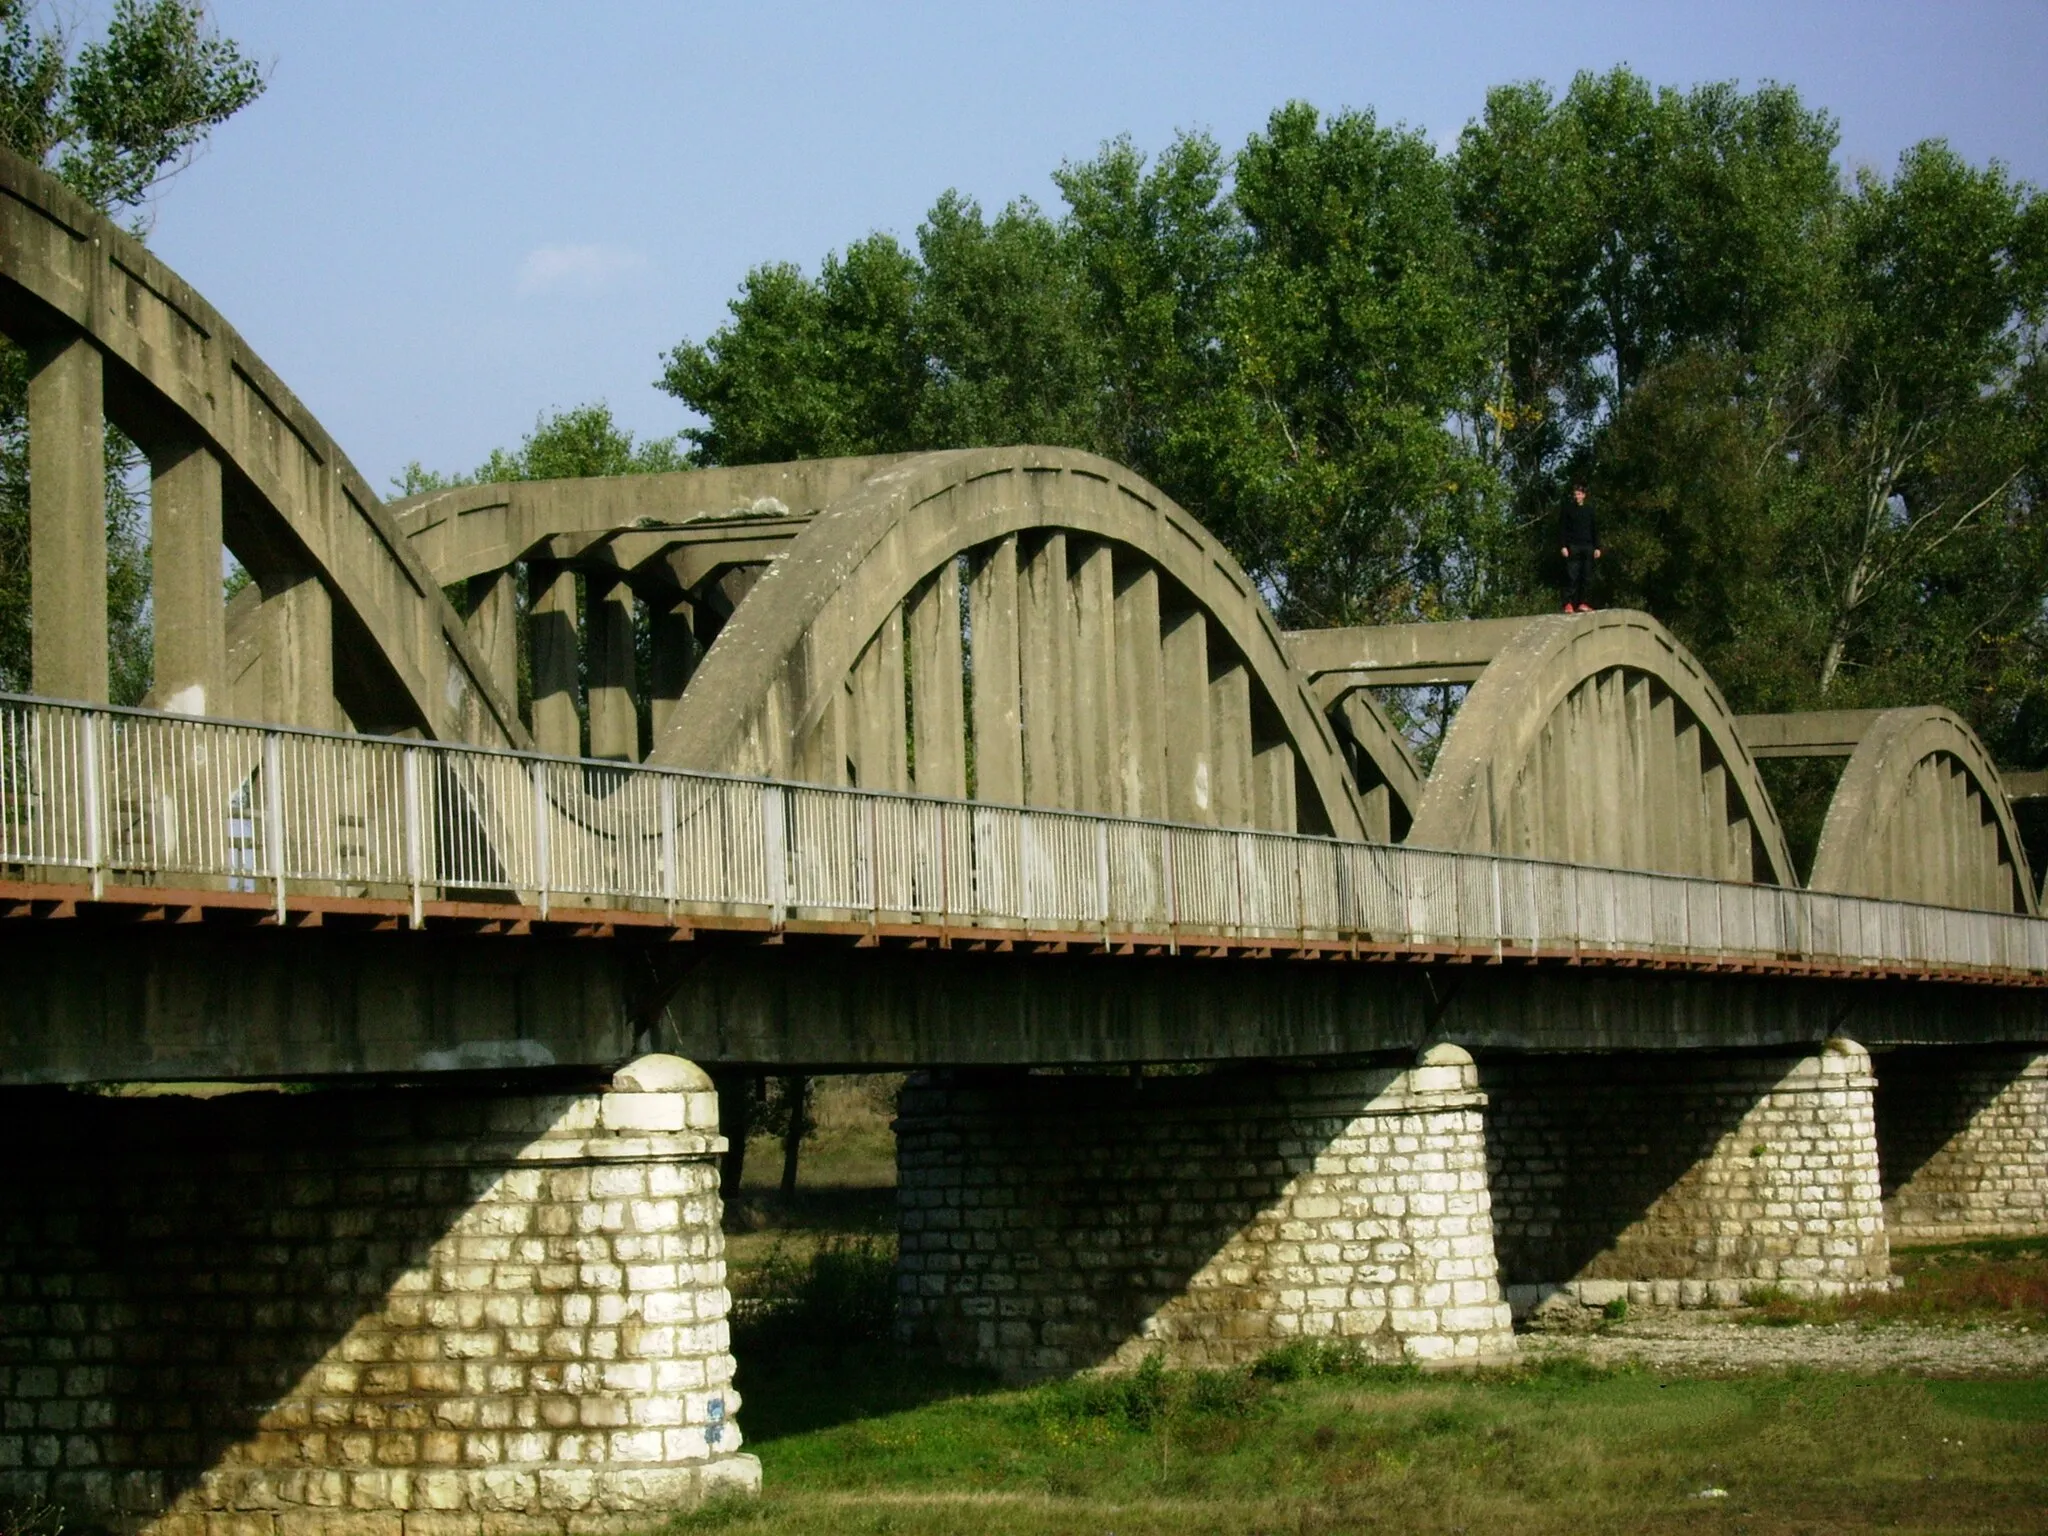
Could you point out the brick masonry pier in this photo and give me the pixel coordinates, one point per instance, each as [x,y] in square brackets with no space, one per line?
[408,1312]
[1963,1136]
[1685,1179]
[1052,1223]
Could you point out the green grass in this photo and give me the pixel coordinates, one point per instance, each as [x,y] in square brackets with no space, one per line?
[856,1439]
[1557,1449]
[1314,1439]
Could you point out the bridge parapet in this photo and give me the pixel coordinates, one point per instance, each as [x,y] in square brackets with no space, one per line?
[105,798]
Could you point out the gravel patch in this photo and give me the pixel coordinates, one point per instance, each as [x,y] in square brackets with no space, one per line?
[1717,1343]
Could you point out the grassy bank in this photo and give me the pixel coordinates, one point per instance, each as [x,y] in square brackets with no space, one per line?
[1554,1450]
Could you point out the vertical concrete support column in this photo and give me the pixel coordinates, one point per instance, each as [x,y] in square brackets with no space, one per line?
[614,695]
[1962,1134]
[881,726]
[493,624]
[1230,743]
[938,724]
[1045,627]
[1140,694]
[1051,1224]
[551,642]
[191,647]
[297,624]
[67,517]
[1184,670]
[998,727]
[429,1310]
[1676,1180]
[675,658]
[1098,723]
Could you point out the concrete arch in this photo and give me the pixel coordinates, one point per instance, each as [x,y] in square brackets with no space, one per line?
[112,333]
[1920,815]
[1047,617]
[1596,738]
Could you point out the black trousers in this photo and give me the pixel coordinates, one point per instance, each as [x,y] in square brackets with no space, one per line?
[1578,572]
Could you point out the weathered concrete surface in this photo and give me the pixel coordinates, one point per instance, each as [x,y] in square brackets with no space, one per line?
[1808,733]
[1596,738]
[487,1305]
[90,1003]
[1049,1224]
[1920,815]
[773,694]
[118,336]
[1403,655]
[67,515]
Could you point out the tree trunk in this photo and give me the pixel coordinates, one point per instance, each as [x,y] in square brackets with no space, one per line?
[796,1093]
[735,1120]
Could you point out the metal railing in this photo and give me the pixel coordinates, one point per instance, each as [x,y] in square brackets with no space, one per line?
[98,794]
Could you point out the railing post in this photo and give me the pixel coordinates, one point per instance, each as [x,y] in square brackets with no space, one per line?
[95,822]
[273,814]
[874,863]
[1102,874]
[1300,892]
[543,860]
[665,799]
[1025,846]
[774,854]
[412,832]
[1500,920]
[1238,845]
[1167,874]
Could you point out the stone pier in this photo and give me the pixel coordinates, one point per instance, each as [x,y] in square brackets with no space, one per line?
[1052,1223]
[1685,1179]
[1963,1136]
[432,1311]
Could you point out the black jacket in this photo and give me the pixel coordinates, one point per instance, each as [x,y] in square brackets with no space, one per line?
[1575,528]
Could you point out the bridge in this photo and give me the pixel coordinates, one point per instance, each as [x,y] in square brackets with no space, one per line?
[364,982]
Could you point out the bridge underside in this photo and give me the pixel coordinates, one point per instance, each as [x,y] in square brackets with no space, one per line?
[179,1001]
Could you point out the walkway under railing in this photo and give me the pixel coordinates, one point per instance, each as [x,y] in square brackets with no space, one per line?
[101,795]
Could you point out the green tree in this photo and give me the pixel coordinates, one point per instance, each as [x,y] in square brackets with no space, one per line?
[1809,407]
[1351,340]
[568,445]
[114,118]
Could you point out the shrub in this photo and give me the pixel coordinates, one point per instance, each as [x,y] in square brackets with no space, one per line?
[844,1293]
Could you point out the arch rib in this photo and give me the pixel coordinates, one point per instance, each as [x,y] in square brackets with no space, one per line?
[293,507]
[810,645]
[1597,738]
[1921,815]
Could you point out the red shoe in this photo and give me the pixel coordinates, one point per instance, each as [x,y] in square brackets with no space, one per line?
[1568,608]
[1585,607]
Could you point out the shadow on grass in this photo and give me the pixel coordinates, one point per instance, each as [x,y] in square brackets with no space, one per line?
[813,1338]
[834,1210]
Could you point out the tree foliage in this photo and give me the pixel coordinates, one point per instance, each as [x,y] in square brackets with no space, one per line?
[113,117]
[567,445]
[1809,405]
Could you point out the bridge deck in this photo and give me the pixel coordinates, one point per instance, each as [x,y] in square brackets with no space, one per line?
[127,814]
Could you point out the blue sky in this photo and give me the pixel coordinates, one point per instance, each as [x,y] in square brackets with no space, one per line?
[446,218]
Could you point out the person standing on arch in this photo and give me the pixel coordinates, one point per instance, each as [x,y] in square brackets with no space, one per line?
[1580,542]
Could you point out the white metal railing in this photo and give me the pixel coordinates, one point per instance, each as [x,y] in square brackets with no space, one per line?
[129,795]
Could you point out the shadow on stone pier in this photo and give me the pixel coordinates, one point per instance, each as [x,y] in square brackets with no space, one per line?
[382,1308]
